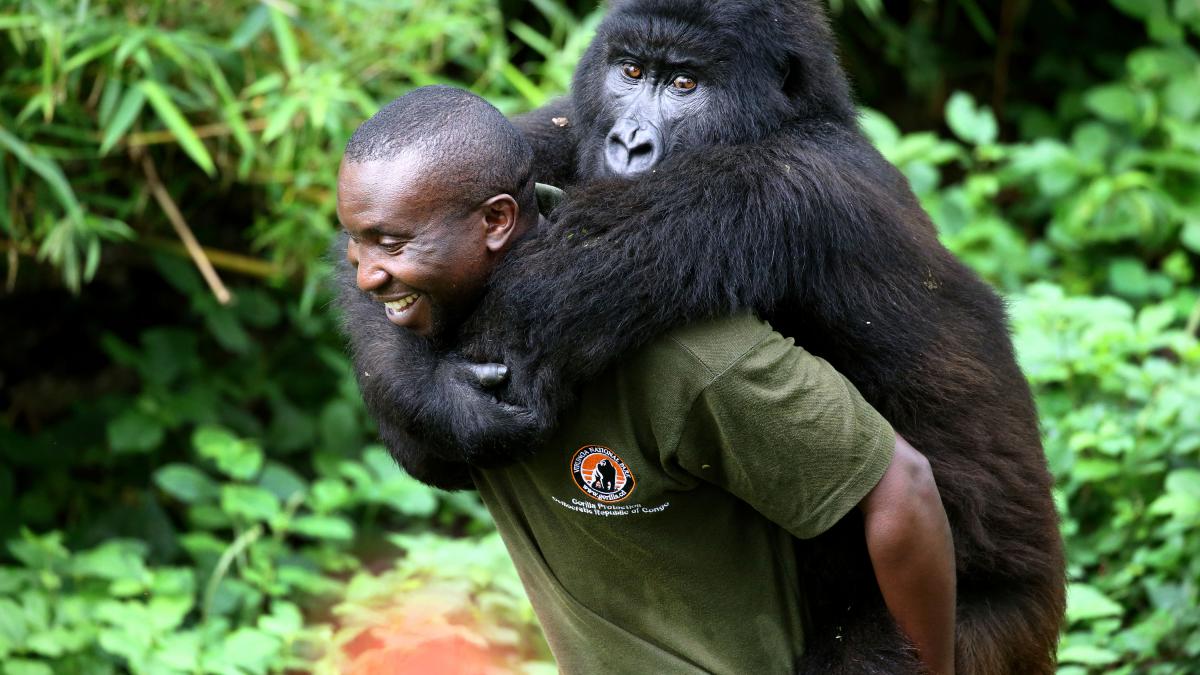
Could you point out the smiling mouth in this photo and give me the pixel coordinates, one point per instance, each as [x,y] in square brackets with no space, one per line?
[399,307]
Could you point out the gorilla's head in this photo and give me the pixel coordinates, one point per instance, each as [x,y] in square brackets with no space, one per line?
[668,74]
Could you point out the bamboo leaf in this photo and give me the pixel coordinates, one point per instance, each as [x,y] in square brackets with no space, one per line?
[289,51]
[523,85]
[127,113]
[15,21]
[47,169]
[251,27]
[130,44]
[90,54]
[281,119]
[170,115]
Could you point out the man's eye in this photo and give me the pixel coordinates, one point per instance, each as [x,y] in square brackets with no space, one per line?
[684,83]
[392,246]
[632,70]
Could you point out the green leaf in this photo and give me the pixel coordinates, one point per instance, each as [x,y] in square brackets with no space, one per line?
[1190,236]
[47,169]
[250,502]
[89,54]
[233,456]
[286,39]
[177,124]
[251,649]
[127,112]
[281,120]
[1184,482]
[186,483]
[135,431]
[26,667]
[1088,655]
[281,481]
[1114,102]
[323,527]
[974,124]
[1087,602]
[12,622]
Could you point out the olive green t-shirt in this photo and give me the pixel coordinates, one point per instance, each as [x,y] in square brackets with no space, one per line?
[654,532]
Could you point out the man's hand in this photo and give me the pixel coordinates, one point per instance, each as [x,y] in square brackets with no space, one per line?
[912,552]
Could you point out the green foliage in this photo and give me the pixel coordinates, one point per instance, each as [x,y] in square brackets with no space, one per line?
[218,506]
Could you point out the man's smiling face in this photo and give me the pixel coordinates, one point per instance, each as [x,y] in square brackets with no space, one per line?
[415,251]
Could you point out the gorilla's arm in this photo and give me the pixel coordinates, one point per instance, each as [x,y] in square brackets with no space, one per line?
[426,403]
[550,130]
[709,233]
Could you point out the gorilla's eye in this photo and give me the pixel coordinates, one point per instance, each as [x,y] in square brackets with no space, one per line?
[632,70]
[684,83]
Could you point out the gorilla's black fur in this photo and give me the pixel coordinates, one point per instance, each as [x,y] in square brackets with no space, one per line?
[768,199]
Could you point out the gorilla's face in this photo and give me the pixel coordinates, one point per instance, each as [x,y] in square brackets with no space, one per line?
[649,100]
[668,77]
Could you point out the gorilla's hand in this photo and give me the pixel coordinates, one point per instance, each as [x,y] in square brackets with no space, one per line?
[432,409]
[490,375]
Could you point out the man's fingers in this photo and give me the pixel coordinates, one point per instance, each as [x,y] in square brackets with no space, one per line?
[489,374]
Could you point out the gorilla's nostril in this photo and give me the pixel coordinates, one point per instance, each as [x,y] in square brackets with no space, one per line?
[641,149]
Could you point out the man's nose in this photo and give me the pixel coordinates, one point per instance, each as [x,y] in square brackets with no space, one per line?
[369,275]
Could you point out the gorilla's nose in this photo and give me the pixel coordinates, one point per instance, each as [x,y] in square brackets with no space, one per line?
[632,147]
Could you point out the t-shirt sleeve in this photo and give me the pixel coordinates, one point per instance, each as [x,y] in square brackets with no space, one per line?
[782,430]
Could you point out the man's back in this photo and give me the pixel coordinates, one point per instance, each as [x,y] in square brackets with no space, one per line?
[654,532]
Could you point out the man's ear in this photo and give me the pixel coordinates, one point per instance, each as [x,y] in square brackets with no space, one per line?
[500,217]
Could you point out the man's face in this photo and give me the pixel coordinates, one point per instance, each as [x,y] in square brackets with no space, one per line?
[426,264]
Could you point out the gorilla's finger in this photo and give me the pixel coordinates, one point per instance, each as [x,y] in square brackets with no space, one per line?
[489,374]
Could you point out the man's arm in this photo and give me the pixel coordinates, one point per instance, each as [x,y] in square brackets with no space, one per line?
[912,551]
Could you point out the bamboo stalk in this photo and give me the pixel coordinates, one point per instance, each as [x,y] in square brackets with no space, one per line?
[199,257]
[226,260]
[140,139]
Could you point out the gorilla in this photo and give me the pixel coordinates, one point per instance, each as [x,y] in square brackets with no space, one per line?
[714,164]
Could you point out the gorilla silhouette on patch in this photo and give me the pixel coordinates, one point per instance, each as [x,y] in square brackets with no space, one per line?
[604,477]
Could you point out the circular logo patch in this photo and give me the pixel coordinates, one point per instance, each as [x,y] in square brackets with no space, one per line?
[601,474]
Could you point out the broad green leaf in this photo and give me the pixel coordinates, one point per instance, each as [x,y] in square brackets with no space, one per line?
[323,527]
[281,481]
[127,112]
[1087,602]
[1190,236]
[135,431]
[250,502]
[177,124]
[1184,482]
[12,622]
[235,457]
[1115,103]
[1087,655]
[974,124]
[186,483]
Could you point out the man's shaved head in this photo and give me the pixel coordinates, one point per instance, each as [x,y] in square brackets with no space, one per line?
[467,150]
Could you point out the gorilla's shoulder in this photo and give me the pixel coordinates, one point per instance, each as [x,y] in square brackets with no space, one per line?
[713,344]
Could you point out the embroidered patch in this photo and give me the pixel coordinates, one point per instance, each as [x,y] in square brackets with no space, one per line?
[601,474]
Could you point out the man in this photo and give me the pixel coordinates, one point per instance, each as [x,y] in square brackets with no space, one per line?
[654,529]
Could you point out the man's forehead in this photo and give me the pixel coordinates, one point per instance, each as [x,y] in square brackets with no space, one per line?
[402,182]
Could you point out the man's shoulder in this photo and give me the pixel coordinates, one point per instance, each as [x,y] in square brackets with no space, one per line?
[711,346]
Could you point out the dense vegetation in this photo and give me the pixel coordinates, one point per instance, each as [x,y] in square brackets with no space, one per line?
[187,478]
